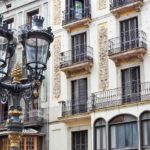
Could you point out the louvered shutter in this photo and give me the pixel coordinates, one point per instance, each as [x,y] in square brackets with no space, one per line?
[129,33]
[87,8]
[67,12]
[79,47]
[131,84]
[83,94]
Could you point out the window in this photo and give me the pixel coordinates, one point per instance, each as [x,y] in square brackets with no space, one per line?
[124,133]
[31,143]
[80,140]
[31,14]
[131,84]
[100,134]
[145,123]
[129,34]
[79,50]
[77,9]
[10,23]
[79,96]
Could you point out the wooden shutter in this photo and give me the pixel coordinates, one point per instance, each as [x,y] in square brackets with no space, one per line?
[83,95]
[131,84]
[87,10]
[67,10]
[79,95]
[135,85]
[79,47]
[129,33]
[71,9]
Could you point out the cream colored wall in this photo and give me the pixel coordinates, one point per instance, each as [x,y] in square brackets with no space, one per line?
[100,14]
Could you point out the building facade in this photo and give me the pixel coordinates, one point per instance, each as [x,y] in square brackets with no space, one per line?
[99,91]
[96,95]
[35,115]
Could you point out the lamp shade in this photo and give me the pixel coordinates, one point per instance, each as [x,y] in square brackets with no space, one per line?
[7,47]
[36,42]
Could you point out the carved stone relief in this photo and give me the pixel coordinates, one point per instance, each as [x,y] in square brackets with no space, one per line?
[56,69]
[101,4]
[57,12]
[103,56]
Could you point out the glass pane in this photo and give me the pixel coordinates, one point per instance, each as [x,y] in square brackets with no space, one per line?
[78,10]
[146,115]
[31,50]
[98,138]
[113,137]
[135,135]
[3,48]
[100,122]
[144,133]
[104,138]
[128,135]
[42,50]
[120,136]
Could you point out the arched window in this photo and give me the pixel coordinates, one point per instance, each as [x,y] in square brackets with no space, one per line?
[123,133]
[100,134]
[145,124]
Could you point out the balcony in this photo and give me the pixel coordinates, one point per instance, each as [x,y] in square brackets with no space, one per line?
[75,112]
[76,18]
[33,118]
[130,94]
[73,108]
[118,7]
[77,61]
[128,47]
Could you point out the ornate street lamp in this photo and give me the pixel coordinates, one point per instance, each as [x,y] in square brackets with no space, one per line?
[36,42]
[7,46]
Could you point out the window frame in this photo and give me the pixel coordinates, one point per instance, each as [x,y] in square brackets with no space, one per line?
[30,14]
[103,125]
[10,22]
[141,121]
[73,147]
[124,130]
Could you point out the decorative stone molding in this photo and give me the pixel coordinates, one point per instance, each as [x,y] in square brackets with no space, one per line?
[56,65]
[101,4]
[103,56]
[57,12]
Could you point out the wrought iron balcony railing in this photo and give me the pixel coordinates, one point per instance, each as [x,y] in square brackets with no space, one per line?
[73,15]
[33,117]
[128,94]
[119,3]
[79,54]
[72,107]
[128,41]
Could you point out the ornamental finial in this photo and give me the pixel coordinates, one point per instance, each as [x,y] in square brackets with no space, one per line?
[16,73]
[37,22]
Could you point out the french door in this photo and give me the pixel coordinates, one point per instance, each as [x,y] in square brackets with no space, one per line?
[79,96]
[129,34]
[131,84]
[76,9]
[79,49]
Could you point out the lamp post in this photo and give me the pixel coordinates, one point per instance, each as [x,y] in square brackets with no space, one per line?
[36,42]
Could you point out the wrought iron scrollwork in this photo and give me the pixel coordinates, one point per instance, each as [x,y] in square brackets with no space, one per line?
[4,95]
[27,95]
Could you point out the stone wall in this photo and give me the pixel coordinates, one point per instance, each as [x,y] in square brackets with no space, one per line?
[103,56]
